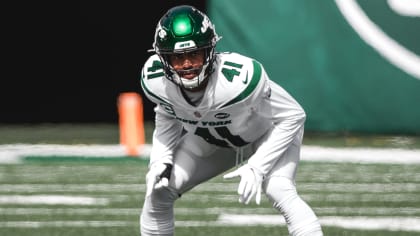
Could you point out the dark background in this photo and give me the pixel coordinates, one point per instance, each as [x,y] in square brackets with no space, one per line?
[68,62]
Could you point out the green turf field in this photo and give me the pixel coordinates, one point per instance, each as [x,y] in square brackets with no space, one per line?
[80,196]
[107,195]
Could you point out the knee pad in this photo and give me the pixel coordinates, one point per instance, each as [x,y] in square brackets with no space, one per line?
[163,197]
[299,217]
[157,213]
[280,190]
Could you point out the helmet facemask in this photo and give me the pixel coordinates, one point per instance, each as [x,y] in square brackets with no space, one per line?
[202,72]
[185,29]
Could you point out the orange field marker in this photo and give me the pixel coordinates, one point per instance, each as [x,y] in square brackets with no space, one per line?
[131,124]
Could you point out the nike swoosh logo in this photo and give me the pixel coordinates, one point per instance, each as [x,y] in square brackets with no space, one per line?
[246,78]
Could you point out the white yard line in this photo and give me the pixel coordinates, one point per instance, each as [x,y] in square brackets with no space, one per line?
[73,211]
[34,188]
[215,188]
[61,224]
[330,187]
[377,211]
[237,217]
[364,223]
[52,200]
[14,153]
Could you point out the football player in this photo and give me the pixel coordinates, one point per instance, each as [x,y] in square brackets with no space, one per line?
[217,111]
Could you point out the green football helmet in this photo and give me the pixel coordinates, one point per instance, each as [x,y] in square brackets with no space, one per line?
[185,29]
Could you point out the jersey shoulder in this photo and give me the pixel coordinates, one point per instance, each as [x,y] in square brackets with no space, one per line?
[152,68]
[153,81]
[239,78]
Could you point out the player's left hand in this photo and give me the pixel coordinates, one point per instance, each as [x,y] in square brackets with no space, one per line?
[250,184]
[158,177]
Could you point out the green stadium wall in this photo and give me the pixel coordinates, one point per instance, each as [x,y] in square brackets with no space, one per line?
[343,78]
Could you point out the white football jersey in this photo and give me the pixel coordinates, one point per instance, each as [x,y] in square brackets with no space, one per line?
[240,104]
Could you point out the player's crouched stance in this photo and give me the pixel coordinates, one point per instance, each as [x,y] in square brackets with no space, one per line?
[215,111]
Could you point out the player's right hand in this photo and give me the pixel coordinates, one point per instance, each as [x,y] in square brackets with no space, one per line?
[250,185]
[157,177]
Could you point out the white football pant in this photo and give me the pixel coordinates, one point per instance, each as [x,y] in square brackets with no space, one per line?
[196,161]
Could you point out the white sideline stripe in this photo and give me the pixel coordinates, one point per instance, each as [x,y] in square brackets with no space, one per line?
[14,153]
[52,200]
[361,155]
[371,223]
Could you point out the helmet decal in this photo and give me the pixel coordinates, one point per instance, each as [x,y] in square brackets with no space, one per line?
[162,33]
[183,45]
[205,25]
[182,26]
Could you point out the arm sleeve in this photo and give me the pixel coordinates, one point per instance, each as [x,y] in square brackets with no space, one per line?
[287,117]
[166,134]
[167,130]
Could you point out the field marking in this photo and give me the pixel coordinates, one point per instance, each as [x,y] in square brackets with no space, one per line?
[371,223]
[368,211]
[216,188]
[330,197]
[70,211]
[33,188]
[235,218]
[52,200]
[211,187]
[15,153]
[377,211]
[363,223]
[362,197]
[361,155]
[313,186]
[60,224]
